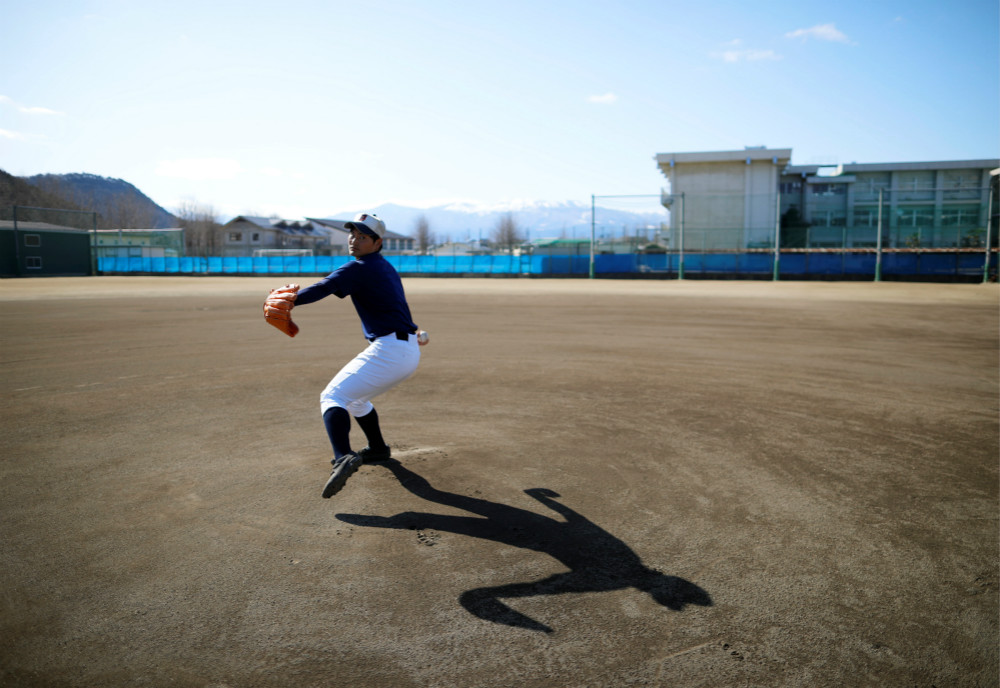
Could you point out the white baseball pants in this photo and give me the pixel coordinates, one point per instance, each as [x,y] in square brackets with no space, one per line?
[384,364]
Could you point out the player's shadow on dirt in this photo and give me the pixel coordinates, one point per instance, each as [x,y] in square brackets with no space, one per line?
[597,560]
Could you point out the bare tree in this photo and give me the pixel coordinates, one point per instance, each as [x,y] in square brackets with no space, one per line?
[202,234]
[425,239]
[124,211]
[53,185]
[506,234]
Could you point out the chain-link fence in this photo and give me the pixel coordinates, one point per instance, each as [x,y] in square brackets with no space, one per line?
[919,232]
[963,265]
[923,234]
[138,243]
[832,216]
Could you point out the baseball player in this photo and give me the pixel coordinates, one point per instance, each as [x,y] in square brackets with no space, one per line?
[392,354]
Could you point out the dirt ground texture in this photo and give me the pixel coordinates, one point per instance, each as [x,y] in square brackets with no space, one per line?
[597,483]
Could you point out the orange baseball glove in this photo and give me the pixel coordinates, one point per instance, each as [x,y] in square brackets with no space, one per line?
[278,309]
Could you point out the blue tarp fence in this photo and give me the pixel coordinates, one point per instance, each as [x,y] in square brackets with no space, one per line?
[843,264]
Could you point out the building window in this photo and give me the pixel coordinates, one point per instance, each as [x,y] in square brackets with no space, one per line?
[33,262]
[790,187]
[916,186]
[914,217]
[828,218]
[236,236]
[828,189]
[255,237]
[959,216]
[868,184]
[33,240]
[961,184]
[866,217]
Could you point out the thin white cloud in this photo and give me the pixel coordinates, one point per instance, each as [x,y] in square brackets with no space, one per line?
[749,55]
[199,169]
[606,99]
[38,111]
[12,135]
[821,32]
[28,110]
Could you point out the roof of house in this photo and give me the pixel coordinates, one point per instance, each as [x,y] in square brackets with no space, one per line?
[339,225]
[291,227]
[545,243]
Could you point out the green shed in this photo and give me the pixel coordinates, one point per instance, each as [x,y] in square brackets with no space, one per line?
[36,249]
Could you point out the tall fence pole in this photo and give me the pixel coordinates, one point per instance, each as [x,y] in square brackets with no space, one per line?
[95,262]
[680,257]
[777,234]
[989,218]
[878,241]
[17,248]
[593,232]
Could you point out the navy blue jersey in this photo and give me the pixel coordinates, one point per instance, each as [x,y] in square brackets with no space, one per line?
[375,289]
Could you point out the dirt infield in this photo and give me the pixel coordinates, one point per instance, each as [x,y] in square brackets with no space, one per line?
[599,483]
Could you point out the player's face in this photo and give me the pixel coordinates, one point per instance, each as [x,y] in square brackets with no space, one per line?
[360,244]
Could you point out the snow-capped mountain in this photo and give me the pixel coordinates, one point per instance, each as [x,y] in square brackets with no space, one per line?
[462,221]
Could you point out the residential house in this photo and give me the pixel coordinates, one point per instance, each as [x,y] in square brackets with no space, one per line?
[245,234]
[392,242]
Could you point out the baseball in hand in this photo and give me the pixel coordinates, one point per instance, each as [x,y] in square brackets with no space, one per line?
[423,337]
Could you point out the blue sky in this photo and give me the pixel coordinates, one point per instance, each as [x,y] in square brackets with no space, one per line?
[310,108]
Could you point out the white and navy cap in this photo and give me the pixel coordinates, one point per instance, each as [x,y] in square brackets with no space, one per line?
[367,223]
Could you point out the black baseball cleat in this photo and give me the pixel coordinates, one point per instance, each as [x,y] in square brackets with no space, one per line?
[343,468]
[369,455]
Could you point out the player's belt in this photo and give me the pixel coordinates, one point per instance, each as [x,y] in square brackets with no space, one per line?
[401,335]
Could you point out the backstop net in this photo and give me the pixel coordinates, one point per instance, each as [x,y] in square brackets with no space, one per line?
[138,243]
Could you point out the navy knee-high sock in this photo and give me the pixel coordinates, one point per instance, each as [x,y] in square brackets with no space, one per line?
[373,433]
[338,426]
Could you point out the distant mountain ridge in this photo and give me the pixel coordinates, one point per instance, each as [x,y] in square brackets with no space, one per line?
[118,203]
[16,191]
[535,219]
[122,205]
